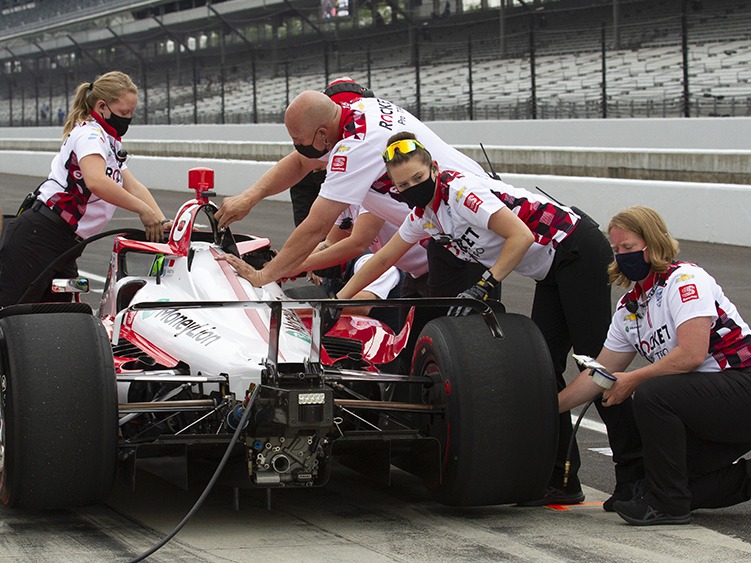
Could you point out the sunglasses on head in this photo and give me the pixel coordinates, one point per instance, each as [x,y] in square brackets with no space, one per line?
[404,146]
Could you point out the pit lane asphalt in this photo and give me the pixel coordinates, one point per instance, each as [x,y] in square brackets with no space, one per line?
[353,518]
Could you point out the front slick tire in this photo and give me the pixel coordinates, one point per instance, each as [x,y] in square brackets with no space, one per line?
[500,428]
[59,411]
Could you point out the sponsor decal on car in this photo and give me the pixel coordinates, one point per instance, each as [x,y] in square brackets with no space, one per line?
[184,325]
[294,326]
[147,314]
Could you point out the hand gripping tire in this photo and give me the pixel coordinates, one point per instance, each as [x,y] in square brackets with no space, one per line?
[58,411]
[499,430]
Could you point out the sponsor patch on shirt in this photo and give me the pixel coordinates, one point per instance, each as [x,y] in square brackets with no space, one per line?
[689,292]
[339,163]
[473,202]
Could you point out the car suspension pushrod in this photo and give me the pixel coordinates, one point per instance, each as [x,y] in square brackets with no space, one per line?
[385,405]
[167,406]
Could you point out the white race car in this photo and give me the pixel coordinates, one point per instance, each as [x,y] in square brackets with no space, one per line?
[185,360]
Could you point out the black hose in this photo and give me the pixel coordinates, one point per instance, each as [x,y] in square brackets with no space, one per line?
[66,256]
[209,486]
[570,449]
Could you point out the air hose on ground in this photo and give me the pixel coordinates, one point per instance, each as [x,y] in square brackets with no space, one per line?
[570,449]
[246,413]
[65,256]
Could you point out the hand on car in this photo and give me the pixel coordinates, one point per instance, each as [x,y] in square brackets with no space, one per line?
[232,209]
[244,270]
[152,225]
[314,278]
[478,291]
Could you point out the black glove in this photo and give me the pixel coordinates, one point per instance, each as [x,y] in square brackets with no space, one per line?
[332,272]
[479,291]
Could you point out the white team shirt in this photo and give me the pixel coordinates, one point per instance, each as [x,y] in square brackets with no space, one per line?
[463,207]
[667,300]
[356,173]
[382,286]
[65,189]
[414,261]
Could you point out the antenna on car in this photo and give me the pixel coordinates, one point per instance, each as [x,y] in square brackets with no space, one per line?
[547,195]
[497,177]
[490,164]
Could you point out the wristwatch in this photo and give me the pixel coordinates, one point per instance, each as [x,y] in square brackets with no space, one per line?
[488,278]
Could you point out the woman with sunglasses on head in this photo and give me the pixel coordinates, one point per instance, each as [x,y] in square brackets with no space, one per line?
[510,229]
[88,181]
[692,398]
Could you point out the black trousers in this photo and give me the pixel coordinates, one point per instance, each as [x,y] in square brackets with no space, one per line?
[694,427]
[31,243]
[448,275]
[572,309]
[304,193]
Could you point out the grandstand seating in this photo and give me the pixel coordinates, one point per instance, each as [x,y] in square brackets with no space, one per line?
[644,72]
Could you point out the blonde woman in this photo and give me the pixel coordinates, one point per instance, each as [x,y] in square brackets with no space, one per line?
[692,399]
[87,182]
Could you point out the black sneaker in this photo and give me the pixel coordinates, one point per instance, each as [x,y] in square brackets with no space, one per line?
[556,496]
[639,513]
[625,491]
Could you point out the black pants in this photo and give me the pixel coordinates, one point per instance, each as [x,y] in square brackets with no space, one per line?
[448,275]
[31,243]
[572,309]
[694,426]
[304,193]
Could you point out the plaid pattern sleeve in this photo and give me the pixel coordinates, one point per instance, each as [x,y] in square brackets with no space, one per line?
[548,222]
[730,348]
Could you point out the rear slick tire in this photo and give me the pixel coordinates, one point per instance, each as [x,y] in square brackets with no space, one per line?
[58,411]
[499,430]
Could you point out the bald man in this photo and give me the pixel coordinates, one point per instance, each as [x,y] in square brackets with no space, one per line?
[348,139]
[304,193]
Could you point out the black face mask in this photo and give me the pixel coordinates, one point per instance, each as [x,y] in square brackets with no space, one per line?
[420,194]
[309,151]
[633,266]
[118,123]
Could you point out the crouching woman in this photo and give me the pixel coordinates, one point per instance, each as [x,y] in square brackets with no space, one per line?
[691,399]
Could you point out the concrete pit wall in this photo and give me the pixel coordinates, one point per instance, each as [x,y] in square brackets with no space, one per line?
[696,172]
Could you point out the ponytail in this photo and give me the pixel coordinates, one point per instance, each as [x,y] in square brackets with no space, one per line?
[108,87]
